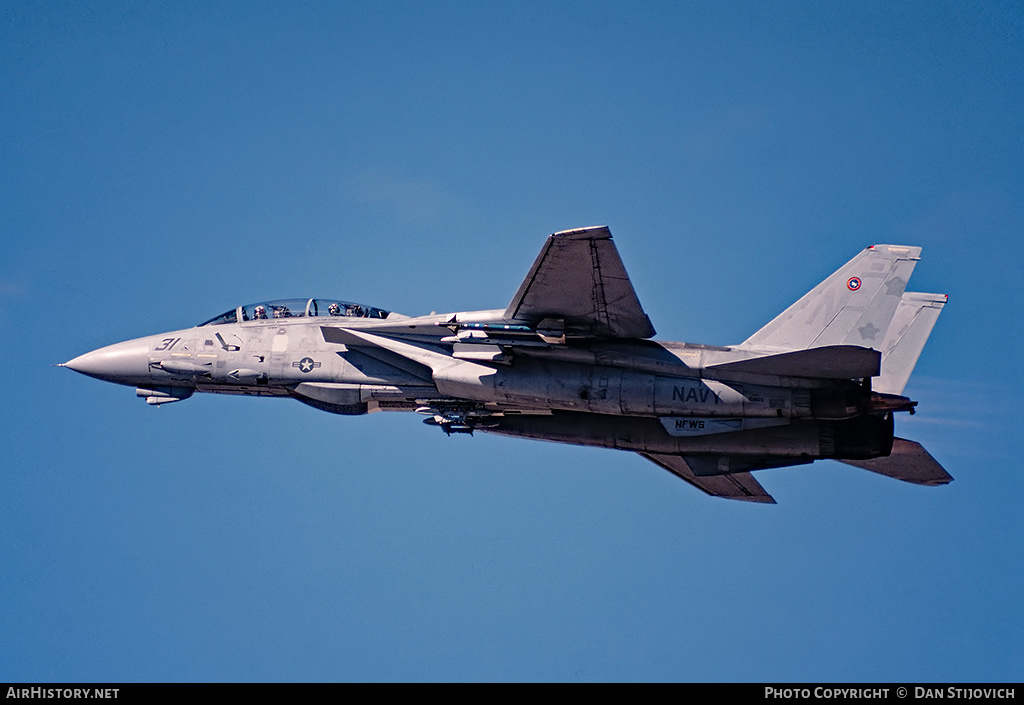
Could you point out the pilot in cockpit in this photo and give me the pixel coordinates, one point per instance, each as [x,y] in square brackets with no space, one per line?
[260,314]
[334,309]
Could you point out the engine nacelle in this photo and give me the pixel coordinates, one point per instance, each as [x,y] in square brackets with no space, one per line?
[616,391]
[861,438]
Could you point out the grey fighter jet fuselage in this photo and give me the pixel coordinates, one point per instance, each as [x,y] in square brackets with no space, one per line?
[571,360]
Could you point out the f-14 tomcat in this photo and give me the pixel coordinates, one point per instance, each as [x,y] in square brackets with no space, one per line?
[572,360]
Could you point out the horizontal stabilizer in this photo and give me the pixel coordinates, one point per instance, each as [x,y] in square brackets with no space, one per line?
[830,362]
[740,485]
[909,462]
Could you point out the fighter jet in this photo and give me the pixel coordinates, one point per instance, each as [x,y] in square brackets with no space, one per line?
[572,359]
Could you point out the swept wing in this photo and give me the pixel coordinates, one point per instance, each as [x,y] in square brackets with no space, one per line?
[579,278]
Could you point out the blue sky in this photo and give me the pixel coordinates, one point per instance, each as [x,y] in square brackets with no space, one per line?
[160,163]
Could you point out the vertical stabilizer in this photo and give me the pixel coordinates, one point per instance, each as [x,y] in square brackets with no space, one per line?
[854,306]
[915,317]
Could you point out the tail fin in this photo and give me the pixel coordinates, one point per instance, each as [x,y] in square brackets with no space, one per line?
[854,306]
[906,337]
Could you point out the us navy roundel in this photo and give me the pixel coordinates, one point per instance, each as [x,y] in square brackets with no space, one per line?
[306,364]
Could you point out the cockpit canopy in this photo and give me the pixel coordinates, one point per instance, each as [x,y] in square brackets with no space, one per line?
[295,308]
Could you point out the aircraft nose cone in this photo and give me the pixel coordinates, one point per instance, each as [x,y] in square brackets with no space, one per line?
[126,363]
